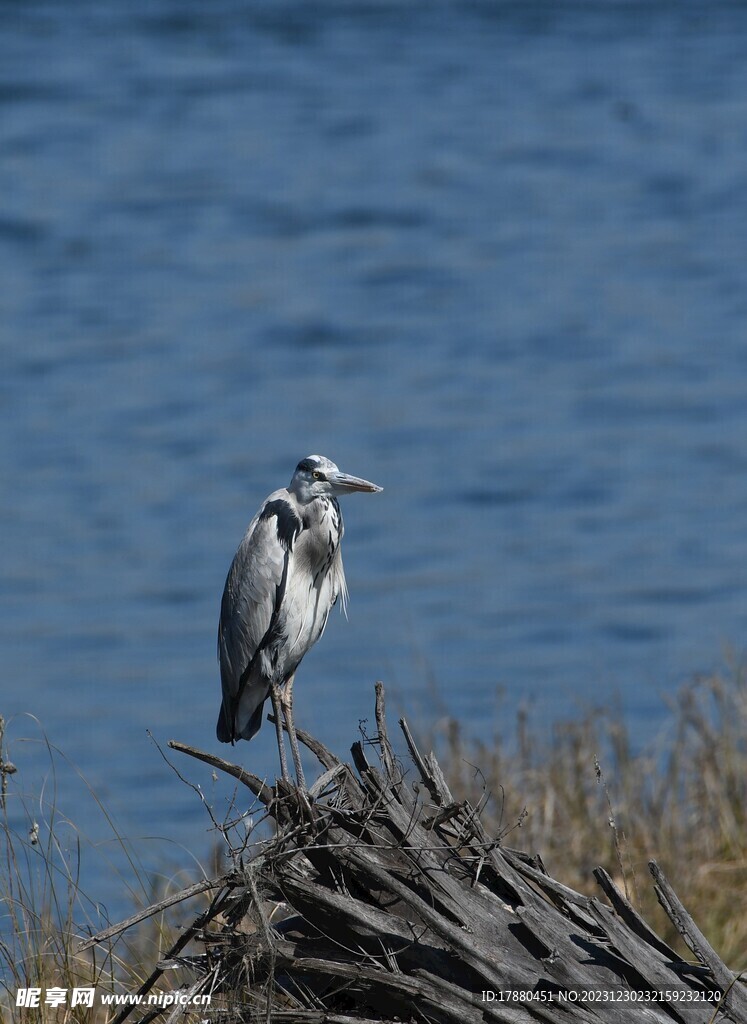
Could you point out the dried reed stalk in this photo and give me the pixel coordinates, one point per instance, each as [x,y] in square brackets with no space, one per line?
[401,907]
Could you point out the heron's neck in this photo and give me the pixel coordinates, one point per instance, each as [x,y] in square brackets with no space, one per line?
[323,511]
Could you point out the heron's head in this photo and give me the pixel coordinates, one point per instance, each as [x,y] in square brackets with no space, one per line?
[316,476]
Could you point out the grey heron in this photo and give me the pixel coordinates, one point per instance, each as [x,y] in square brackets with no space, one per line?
[283,582]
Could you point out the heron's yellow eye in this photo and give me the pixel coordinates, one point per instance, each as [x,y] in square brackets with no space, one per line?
[317,475]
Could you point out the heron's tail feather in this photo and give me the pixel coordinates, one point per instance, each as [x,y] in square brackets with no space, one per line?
[235,726]
[223,729]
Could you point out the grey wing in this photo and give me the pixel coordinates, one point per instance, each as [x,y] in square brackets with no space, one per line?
[251,599]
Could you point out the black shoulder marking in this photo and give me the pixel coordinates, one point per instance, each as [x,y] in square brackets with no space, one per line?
[288,523]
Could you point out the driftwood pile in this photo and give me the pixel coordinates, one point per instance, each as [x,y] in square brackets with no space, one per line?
[381,898]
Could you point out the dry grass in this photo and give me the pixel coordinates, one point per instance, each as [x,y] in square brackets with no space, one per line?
[44,913]
[585,798]
[682,802]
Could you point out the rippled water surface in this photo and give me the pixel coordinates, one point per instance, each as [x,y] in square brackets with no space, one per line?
[488,255]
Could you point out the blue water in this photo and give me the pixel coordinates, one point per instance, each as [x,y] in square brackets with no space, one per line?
[489,255]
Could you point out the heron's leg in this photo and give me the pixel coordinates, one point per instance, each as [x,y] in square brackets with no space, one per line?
[277,705]
[288,710]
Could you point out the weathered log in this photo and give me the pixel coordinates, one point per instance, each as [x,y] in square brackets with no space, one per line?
[400,907]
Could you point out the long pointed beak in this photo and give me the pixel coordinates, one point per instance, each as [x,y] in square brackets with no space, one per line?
[352,483]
